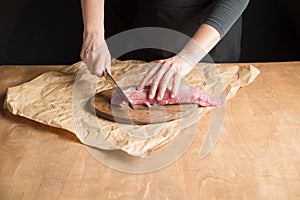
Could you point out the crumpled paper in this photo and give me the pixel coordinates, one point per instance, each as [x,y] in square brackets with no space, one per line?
[61,98]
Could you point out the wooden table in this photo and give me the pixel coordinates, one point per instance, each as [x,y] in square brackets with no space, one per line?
[257,156]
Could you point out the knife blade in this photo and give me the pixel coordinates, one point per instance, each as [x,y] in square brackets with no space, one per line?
[117,88]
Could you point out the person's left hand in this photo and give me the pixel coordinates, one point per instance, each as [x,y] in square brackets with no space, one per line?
[171,69]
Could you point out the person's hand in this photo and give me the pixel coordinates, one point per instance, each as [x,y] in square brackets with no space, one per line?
[95,54]
[171,69]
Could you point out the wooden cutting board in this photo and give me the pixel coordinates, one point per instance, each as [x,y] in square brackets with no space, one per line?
[141,114]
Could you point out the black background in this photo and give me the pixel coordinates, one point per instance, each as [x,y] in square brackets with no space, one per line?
[50,31]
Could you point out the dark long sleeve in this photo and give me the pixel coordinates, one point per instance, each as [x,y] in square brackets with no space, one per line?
[224,13]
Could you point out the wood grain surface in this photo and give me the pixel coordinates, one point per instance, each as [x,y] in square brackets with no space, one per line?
[140,114]
[257,157]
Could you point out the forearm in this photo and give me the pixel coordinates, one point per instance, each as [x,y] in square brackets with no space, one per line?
[221,16]
[224,13]
[204,39]
[93,36]
[93,17]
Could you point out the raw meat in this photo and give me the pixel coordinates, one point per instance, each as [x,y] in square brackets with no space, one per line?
[185,95]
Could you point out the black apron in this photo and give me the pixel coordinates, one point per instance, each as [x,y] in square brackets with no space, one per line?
[184,16]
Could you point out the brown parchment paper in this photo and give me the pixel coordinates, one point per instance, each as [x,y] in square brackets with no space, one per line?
[60,99]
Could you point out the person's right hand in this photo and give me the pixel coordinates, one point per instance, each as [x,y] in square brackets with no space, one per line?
[95,54]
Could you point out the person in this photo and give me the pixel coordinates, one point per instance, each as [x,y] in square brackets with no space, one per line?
[214,25]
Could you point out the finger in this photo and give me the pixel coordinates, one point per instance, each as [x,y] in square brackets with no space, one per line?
[149,75]
[176,84]
[83,52]
[85,49]
[99,67]
[89,63]
[156,81]
[83,55]
[108,65]
[164,83]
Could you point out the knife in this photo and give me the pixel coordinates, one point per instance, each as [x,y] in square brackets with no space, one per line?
[117,88]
